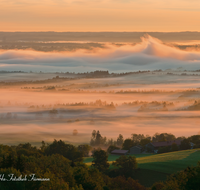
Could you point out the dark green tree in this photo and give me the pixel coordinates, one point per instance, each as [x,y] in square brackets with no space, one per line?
[111,148]
[85,149]
[126,165]
[100,160]
[128,143]
[10,161]
[164,149]
[20,164]
[3,162]
[194,139]
[174,147]
[145,141]
[136,138]
[67,150]
[185,144]
[163,137]
[188,179]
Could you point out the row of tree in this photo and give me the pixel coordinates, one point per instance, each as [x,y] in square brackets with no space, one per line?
[98,140]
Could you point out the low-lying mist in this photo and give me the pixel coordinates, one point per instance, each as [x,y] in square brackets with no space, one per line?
[150,54]
[149,87]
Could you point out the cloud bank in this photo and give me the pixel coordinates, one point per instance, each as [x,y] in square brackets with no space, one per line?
[150,54]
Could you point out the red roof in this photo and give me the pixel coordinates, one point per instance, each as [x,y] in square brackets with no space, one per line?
[165,143]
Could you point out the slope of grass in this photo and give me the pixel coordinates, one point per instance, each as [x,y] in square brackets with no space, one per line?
[166,163]
[111,158]
[156,167]
[170,162]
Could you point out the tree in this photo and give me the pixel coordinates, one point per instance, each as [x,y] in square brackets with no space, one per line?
[128,143]
[126,165]
[53,113]
[67,150]
[120,140]
[111,148]
[10,161]
[85,149]
[187,179]
[121,183]
[143,142]
[181,138]
[194,139]
[163,137]
[185,144]
[43,147]
[174,147]
[157,186]
[97,139]
[137,138]
[16,185]
[3,162]
[89,178]
[94,134]
[100,160]
[164,149]
[20,165]
[75,132]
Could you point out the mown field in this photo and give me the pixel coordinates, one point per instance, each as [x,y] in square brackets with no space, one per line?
[156,167]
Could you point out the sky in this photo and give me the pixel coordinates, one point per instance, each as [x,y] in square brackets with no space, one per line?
[100,15]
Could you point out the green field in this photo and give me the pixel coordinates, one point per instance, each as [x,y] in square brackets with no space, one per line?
[156,167]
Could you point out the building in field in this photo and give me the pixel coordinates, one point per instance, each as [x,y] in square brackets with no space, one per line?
[119,152]
[154,146]
[136,149]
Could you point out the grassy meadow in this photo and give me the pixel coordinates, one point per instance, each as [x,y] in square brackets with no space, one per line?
[156,167]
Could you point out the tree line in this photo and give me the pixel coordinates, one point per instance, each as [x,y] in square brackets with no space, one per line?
[97,140]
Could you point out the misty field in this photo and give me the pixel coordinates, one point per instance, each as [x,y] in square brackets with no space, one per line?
[144,88]
[137,102]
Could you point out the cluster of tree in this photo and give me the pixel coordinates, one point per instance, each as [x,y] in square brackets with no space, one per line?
[2,71]
[147,108]
[160,137]
[63,164]
[142,140]
[185,144]
[193,107]
[187,179]
[8,115]
[145,91]
[98,140]
[182,74]
[98,103]
[153,103]
[136,139]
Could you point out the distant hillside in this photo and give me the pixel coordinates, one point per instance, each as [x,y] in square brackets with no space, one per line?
[96,36]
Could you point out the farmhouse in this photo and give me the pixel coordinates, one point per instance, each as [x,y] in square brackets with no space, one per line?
[119,152]
[154,146]
[136,149]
